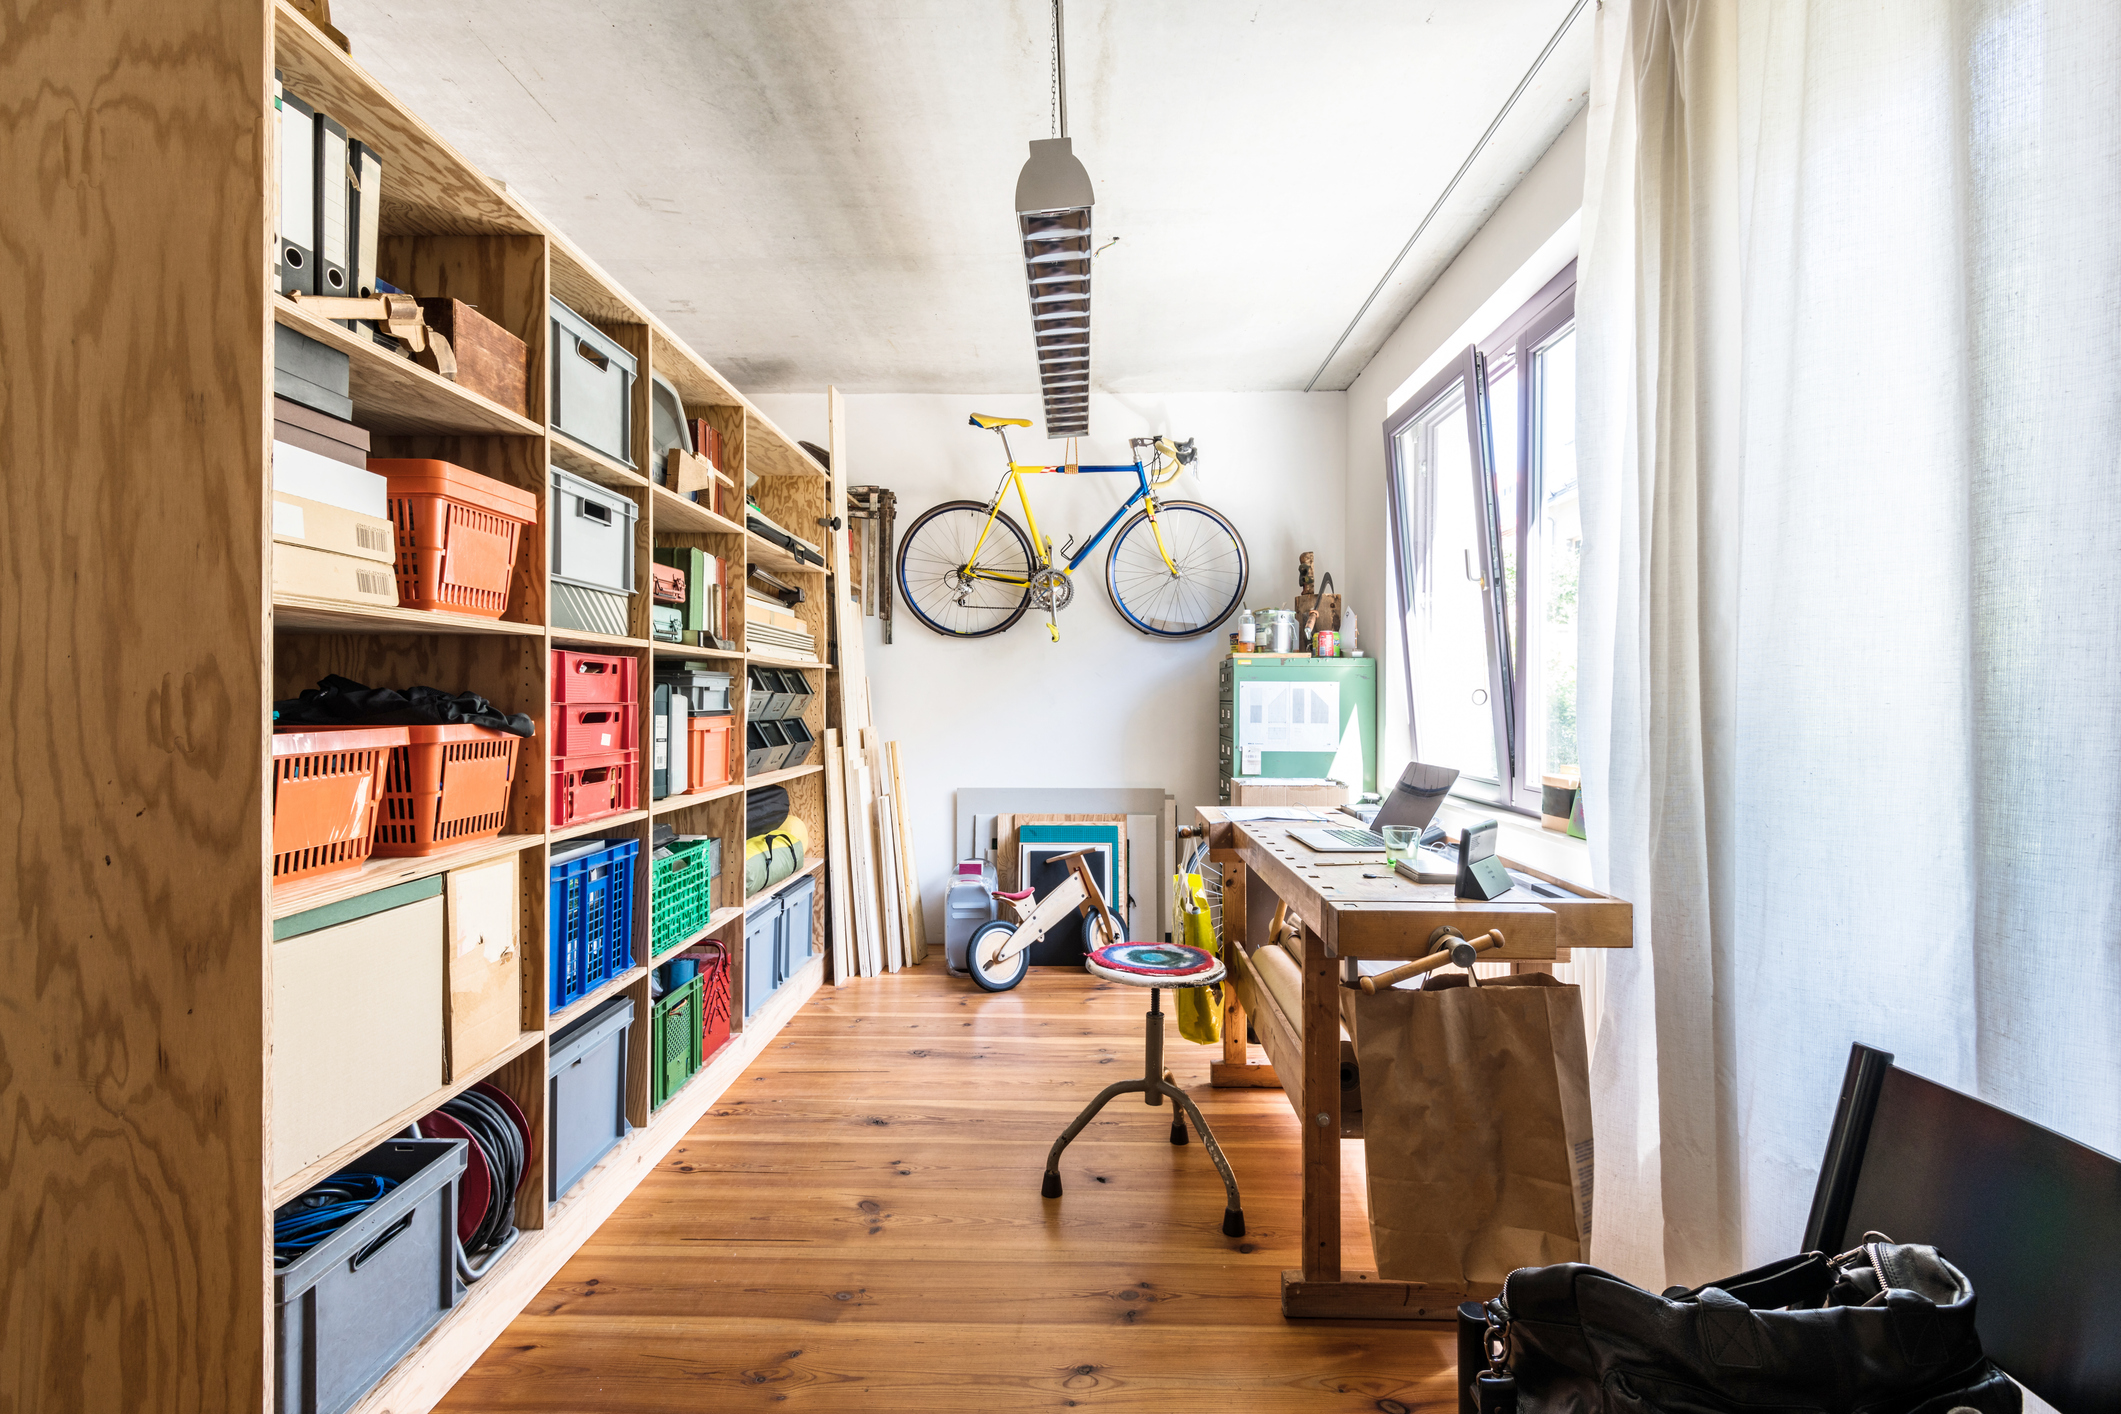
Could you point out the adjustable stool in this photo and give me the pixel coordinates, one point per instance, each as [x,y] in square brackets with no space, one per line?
[1155,966]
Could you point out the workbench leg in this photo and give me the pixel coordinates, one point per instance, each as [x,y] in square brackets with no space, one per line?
[1321,1111]
[1235,1052]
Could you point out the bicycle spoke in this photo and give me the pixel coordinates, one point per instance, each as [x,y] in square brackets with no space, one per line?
[1210,571]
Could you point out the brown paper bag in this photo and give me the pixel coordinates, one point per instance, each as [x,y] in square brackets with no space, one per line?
[1476,1127]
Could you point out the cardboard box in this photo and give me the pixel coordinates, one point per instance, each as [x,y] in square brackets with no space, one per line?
[296,520]
[1287,790]
[485,963]
[298,471]
[320,574]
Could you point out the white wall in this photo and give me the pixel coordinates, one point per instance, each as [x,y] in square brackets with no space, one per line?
[1105,706]
[1528,240]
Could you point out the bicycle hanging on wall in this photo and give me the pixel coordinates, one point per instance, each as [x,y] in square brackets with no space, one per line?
[1176,569]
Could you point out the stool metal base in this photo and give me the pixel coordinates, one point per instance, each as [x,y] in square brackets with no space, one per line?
[1153,1087]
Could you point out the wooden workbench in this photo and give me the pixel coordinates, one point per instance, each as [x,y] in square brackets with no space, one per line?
[1347,915]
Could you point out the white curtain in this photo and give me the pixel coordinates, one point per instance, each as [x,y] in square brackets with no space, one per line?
[1850,445]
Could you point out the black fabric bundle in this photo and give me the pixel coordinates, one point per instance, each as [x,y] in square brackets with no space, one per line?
[342,702]
[764,810]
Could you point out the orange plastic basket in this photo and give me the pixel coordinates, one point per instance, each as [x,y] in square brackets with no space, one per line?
[707,752]
[325,789]
[457,534]
[585,787]
[446,786]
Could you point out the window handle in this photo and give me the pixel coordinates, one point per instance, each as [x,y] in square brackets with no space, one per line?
[1475,575]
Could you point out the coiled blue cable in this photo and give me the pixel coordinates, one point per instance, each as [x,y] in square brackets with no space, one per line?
[322,1211]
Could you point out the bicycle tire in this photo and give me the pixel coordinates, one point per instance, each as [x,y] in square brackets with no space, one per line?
[906,548]
[1219,617]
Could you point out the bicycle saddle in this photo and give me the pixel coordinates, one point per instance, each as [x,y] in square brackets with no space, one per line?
[1018,897]
[980,419]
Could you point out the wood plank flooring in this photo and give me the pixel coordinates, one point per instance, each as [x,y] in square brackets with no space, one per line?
[857,1226]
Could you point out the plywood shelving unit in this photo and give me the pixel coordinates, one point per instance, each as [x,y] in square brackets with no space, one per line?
[138,488]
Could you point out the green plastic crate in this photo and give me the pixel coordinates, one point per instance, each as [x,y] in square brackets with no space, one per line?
[675,1030]
[682,893]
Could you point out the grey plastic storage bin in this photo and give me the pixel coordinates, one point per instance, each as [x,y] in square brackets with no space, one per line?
[666,427]
[800,741]
[592,534]
[311,372]
[796,904]
[592,386]
[762,922]
[349,1307]
[765,748]
[591,610]
[708,690]
[587,1075]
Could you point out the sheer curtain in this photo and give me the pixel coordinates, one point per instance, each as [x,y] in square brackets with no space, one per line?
[1850,448]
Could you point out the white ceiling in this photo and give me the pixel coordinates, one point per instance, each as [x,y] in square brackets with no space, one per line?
[819,191]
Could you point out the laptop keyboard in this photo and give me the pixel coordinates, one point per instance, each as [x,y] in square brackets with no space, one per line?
[1367,839]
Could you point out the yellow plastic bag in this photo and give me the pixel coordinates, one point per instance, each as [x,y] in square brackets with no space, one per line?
[1200,1020]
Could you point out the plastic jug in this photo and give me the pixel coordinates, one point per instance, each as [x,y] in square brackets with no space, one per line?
[968,903]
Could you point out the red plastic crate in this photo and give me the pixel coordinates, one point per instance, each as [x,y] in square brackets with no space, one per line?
[707,752]
[591,677]
[446,786]
[594,728]
[326,786]
[457,533]
[586,787]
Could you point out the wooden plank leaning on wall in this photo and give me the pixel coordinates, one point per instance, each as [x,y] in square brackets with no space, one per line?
[133,624]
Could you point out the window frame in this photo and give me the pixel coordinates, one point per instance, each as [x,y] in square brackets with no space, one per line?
[1506,616]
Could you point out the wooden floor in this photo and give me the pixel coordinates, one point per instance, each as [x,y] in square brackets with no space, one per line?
[857,1226]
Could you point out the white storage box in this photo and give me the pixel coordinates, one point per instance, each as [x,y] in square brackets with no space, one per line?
[297,471]
[592,534]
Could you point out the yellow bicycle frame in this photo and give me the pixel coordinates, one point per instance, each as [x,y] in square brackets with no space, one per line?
[1040,547]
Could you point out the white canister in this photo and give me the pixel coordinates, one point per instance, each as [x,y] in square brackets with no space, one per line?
[1284,632]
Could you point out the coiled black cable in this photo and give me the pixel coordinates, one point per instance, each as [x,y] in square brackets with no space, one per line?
[319,1212]
[502,1143]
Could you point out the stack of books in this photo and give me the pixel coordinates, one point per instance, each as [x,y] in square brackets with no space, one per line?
[770,629]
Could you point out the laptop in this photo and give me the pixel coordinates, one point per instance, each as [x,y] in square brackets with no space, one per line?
[1413,803]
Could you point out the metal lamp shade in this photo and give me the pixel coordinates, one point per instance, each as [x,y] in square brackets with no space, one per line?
[1053,200]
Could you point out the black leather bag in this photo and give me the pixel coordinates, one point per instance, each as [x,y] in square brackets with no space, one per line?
[1884,1329]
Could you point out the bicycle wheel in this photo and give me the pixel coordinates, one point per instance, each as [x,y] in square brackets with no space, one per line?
[1210,582]
[932,581]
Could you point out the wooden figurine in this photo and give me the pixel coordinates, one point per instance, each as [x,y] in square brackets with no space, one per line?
[1305,584]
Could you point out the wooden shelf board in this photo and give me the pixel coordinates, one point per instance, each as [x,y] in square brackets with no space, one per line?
[772,452]
[308,1175]
[396,395]
[758,550]
[721,918]
[581,284]
[716,921]
[686,650]
[770,890]
[583,1005]
[697,382]
[698,797]
[767,660]
[603,824]
[774,778]
[572,456]
[301,895]
[301,613]
[582,637]
[674,513]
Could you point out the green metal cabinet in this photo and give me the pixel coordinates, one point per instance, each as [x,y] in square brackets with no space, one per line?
[1284,704]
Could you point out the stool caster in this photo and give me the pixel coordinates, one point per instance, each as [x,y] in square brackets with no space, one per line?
[1233,1222]
[1051,1188]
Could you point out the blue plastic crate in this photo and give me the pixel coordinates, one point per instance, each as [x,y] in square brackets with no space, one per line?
[591,916]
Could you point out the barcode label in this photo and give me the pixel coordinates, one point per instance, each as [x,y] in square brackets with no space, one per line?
[371,537]
[373,582]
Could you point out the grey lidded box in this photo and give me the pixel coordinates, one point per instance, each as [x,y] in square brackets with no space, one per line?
[708,690]
[587,1076]
[762,927]
[312,373]
[794,942]
[592,386]
[349,1307]
[592,534]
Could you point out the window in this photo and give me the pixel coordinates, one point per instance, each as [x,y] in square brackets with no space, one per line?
[1487,542]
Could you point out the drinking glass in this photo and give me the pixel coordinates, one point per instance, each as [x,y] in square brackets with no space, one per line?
[1401,842]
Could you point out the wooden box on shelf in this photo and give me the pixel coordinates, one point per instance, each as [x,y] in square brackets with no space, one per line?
[490,360]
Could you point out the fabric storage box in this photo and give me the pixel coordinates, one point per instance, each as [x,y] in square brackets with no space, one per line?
[458,534]
[311,372]
[592,386]
[707,751]
[589,912]
[589,787]
[591,610]
[356,1017]
[797,687]
[707,690]
[800,742]
[483,963]
[586,1099]
[445,786]
[302,573]
[491,362]
[762,921]
[669,718]
[347,1309]
[674,1039]
[327,787]
[318,525]
[592,534]
[765,747]
[591,677]
[593,728]
[680,892]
